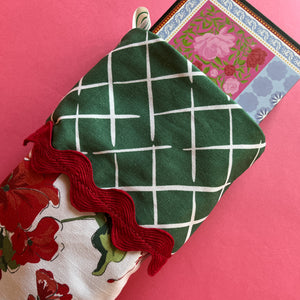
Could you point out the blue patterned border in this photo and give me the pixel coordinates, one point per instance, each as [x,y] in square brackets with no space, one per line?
[178,18]
[262,32]
[246,19]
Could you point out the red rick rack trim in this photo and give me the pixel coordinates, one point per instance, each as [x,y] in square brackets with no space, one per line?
[85,196]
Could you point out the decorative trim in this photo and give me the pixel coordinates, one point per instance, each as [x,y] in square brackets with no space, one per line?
[85,196]
[269,25]
[254,25]
[167,16]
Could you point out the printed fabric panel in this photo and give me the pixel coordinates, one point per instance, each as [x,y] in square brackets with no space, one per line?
[50,250]
[153,125]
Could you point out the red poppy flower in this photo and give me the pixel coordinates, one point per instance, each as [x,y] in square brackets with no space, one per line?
[31,246]
[256,57]
[23,195]
[48,288]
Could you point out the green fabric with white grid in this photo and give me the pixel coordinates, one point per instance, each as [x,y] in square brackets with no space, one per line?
[155,126]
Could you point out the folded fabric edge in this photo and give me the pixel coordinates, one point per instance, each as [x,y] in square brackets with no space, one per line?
[85,196]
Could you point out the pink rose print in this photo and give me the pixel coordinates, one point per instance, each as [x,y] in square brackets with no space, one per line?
[210,46]
[231,86]
[214,73]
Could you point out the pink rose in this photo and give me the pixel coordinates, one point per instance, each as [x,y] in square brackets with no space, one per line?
[231,86]
[213,73]
[210,46]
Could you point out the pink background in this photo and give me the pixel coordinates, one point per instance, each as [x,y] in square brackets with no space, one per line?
[249,247]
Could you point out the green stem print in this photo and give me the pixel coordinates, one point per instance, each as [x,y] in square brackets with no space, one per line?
[102,242]
[6,253]
[78,219]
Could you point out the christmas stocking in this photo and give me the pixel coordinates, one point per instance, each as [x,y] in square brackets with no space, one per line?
[129,164]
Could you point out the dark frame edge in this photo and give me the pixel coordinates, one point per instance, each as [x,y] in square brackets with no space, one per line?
[160,20]
[270,23]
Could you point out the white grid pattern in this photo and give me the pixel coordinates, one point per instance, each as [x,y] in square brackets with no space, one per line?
[111,101]
[261,145]
[81,87]
[153,149]
[154,188]
[176,225]
[200,108]
[77,137]
[230,158]
[116,171]
[150,92]
[154,192]
[192,217]
[174,188]
[193,129]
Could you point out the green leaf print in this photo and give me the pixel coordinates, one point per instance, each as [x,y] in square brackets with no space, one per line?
[218,60]
[186,43]
[204,61]
[212,8]
[215,66]
[206,24]
[101,241]
[7,252]
[230,57]
[206,70]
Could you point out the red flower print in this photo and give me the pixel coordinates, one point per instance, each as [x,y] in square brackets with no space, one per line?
[31,246]
[198,64]
[48,288]
[23,195]
[229,70]
[256,57]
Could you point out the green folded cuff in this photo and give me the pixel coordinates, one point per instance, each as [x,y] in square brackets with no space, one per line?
[155,126]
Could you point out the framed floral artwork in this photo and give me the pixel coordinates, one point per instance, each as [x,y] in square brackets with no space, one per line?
[238,48]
